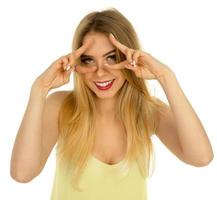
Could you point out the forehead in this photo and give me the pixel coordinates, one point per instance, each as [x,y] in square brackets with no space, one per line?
[101,43]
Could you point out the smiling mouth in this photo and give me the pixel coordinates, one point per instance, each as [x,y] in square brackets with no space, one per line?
[105,85]
[103,81]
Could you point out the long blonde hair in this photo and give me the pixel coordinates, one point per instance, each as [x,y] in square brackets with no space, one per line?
[135,106]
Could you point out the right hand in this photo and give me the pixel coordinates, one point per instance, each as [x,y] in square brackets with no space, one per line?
[59,71]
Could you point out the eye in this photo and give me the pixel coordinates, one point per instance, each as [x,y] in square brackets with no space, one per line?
[112,58]
[86,60]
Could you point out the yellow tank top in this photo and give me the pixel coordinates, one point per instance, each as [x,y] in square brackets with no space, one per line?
[102,181]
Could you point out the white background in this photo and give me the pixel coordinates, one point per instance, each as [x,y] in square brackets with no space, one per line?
[181,34]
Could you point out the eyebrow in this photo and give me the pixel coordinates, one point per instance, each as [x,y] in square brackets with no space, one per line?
[113,50]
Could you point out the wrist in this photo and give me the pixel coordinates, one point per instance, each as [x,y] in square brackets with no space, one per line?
[166,74]
[36,89]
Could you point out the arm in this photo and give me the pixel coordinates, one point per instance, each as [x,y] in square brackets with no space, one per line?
[37,135]
[38,131]
[27,150]
[180,128]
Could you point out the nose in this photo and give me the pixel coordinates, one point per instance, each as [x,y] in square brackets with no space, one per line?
[101,68]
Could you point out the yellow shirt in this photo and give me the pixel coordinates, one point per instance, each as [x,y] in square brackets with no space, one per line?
[102,182]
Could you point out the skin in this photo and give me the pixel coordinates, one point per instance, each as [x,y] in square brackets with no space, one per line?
[104,68]
[179,127]
[58,73]
[105,99]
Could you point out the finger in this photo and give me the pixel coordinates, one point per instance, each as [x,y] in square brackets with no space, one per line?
[83,48]
[58,64]
[84,70]
[67,75]
[77,53]
[148,58]
[145,53]
[67,67]
[80,50]
[116,43]
[129,55]
[136,55]
[70,68]
[120,65]
[129,66]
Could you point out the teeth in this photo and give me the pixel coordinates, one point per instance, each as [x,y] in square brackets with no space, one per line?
[103,84]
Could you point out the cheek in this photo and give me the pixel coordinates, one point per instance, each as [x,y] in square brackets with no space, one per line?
[87,78]
[120,75]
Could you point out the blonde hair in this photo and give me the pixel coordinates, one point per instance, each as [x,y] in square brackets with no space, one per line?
[135,106]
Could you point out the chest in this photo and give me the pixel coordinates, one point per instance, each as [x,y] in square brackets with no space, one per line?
[110,143]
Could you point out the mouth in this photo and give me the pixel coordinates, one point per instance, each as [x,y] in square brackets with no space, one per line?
[105,85]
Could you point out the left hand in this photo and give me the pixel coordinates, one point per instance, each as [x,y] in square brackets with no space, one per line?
[145,66]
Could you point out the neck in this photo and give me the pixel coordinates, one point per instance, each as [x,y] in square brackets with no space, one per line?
[106,108]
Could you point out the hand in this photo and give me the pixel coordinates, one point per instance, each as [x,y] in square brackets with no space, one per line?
[141,63]
[59,71]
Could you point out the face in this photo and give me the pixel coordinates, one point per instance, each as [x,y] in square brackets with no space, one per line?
[99,54]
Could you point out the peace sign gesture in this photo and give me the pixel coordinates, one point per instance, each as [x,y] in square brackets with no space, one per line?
[58,73]
[141,63]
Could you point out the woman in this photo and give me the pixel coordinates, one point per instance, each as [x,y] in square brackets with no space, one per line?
[103,127]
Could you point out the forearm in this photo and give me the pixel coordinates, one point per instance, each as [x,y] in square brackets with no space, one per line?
[27,150]
[192,136]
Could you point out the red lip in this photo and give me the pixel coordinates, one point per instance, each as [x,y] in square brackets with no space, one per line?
[106,87]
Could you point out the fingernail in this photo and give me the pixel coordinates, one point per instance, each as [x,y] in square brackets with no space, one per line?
[133,63]
[112,35]
[67,67]
[69,71]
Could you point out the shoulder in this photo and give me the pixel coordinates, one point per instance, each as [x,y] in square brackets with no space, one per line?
[159,101]
[54,101]
[161,106]
[57,97]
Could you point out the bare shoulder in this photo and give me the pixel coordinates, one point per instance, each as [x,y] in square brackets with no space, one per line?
[52,107]
[57,97]
[159,101]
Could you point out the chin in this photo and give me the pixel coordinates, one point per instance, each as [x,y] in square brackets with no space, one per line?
[104,96]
